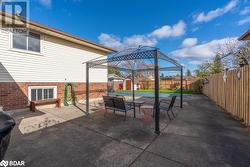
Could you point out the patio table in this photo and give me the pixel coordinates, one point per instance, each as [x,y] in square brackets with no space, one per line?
[137,103]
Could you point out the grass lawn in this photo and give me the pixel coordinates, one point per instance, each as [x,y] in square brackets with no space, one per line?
[162,91]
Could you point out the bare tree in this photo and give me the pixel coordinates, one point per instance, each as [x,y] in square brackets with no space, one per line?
[234,53]
[243,56]
[136,64]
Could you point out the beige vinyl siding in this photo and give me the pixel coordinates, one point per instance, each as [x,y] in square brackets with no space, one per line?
[59,61]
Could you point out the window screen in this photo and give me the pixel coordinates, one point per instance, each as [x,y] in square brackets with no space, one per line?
[34,42]
[42,94]
[27,41]
[19,41]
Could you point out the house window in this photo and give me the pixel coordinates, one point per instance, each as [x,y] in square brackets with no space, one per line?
[28,41]
[42,93]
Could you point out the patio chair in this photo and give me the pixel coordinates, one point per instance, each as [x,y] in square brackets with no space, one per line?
[109,100]
[108,103]
[121,105]
[116,104]
[127,102]
[168,108]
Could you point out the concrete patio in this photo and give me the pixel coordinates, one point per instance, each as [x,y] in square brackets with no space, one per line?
[201,135]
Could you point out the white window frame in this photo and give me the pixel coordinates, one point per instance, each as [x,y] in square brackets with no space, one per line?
[42,87]
[26,51]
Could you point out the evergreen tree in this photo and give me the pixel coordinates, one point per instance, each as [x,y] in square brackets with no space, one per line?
[188,73]
[217,65]
[162,76]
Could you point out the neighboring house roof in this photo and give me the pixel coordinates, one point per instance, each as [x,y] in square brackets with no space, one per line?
[114,76]
[60,34]
[245,36]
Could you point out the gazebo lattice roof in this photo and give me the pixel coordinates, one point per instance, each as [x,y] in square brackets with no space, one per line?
[114,60]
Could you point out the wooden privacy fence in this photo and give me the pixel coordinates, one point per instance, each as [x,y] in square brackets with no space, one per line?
[166,84]
[233,94]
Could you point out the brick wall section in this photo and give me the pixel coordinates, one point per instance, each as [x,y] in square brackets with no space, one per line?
[15,95]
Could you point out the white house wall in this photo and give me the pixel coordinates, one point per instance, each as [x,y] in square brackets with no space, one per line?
[59,61]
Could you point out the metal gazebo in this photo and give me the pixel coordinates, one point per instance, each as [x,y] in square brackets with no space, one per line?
[142,53]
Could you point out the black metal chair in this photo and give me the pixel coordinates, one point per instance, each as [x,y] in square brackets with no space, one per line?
[168,108]
[121,106]
[117,104]
[130,103]
[108,103]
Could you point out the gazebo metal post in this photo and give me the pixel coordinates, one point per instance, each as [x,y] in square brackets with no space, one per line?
[133,85]
[107,84]
[87,87]
[181,93]
[156,105]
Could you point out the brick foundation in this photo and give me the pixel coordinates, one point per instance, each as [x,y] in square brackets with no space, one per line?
[15,95]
